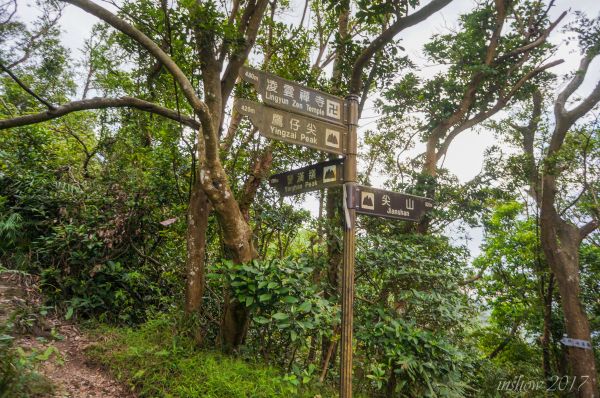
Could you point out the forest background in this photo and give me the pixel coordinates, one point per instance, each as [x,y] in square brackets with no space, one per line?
[129,215]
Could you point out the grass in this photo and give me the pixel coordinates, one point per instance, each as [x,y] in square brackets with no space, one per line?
[156,361]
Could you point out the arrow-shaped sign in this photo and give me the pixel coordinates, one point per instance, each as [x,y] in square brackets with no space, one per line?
[291,96]
[295,129]
[310,178]
[389,204]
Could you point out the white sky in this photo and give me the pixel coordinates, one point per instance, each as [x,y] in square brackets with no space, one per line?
[465,156]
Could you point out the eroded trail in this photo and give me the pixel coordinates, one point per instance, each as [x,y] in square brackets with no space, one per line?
[58,345]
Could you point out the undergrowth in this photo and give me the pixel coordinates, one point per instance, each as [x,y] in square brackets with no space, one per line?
[157,360]
[18,376]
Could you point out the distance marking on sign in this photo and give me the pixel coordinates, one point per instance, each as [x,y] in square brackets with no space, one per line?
[294,129]
[291,96]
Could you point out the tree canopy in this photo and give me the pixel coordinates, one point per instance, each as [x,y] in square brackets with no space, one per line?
[131,184]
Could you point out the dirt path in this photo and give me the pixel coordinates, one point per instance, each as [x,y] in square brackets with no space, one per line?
[67,367]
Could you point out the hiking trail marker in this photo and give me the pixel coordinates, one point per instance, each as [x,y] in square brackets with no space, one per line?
[291,96]
[310,178]
[304,116]
[294,129]
[388,204]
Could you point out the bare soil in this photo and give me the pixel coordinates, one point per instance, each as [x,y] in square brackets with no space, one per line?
[68,369]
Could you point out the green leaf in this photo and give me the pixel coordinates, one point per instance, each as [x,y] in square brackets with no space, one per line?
[69,313]
[305,306]
[261,320]
[290,300]
[249,301]
[139,374]
[306,324]
[264,297]
[280,316]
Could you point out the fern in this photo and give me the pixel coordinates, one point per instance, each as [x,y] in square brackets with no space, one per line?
[62,186]
[11,226]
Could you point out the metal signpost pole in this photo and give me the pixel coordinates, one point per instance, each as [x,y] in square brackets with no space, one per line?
[303,116]
[349,249]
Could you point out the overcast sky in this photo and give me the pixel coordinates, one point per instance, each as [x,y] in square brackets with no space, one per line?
[465,157]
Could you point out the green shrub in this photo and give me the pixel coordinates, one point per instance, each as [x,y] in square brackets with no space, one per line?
[284,303]
[112,293]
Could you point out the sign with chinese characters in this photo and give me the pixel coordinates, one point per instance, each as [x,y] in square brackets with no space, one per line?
[294,129]
[293,97]
[381,203]
[309,178]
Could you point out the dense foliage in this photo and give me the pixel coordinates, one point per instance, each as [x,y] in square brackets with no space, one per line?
[98,203]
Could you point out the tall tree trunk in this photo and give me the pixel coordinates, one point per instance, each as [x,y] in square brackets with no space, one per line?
[334,256]
[334,244]
[196,249]
[239,247]
[560,241]
[234,324]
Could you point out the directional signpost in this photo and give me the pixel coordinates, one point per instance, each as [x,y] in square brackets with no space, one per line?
[381,203]
[300,115]
[294,129]
[291,96]
[311,178]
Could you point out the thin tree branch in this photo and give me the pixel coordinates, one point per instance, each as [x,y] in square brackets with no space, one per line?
[121,25]
[574,83]
[142,255]
[536,43]
[25,87]
[473,278]
[501,103]
[588,228]
[12,14]
[30,44]
[585,179]
[98,103]
[387,36]
[565,119]
[240,56]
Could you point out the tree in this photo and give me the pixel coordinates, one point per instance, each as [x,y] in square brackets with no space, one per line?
[561,237]
[224,41]
[492,61]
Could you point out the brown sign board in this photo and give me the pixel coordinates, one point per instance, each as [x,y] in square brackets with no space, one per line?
[382,203]
[291,96]
[310,178]
[294,129]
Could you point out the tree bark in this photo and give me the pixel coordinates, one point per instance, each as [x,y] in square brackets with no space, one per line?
[197,226]
[560,241]
[392,382]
